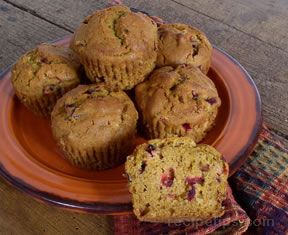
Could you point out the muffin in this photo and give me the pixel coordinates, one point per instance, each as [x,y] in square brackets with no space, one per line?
[94,126]
[174,180]
[117,46]
[183,44]
[43,75]
[179,101]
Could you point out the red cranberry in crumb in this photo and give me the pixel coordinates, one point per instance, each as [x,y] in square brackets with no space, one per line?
[194,180]
[186,126]
[191,193]
[143,166]
[168,178]
[211,101]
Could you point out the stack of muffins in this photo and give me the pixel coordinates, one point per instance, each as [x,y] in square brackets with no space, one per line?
[95,124]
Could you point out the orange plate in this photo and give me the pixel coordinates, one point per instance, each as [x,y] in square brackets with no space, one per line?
[31,161]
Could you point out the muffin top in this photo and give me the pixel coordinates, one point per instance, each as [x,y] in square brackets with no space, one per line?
[182,44]
[178,96]
[44,70]
[116,33]
[92,115]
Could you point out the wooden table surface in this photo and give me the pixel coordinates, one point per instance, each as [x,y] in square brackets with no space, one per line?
[254,32]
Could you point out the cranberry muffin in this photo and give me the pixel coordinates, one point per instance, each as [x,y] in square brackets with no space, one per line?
[43,75]
[179,101]
[94,126]
[183,44]
[117,46]
[175,180]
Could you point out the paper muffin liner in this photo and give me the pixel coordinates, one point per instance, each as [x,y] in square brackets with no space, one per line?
[43,105]
[124,75]
[40,106]
[157,128]
[103,158]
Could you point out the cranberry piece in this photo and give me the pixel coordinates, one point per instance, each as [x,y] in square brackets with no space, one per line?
[191,194]
[150,148]
[211,101]
[186,126]
[143,166]
[205,167]
[168,178]
[194,180]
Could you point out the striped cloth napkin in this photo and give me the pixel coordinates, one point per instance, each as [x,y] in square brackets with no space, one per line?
[260,187]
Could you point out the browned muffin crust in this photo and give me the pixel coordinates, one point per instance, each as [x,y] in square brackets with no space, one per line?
[117,46]
[95,127]
[43,75]
[183,44]
[178,101]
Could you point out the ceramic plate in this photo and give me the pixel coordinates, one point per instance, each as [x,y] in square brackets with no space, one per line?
[31,161]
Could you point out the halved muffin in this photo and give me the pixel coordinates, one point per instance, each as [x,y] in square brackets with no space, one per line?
[174,180]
